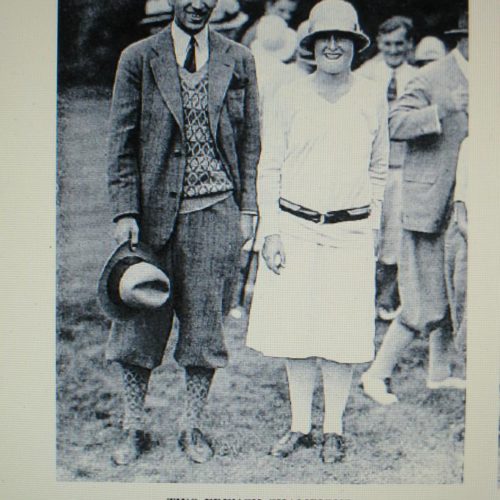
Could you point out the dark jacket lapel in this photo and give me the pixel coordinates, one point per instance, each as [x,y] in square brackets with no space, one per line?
[164,67]
[220,71]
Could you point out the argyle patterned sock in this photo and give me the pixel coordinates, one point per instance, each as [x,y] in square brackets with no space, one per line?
[198,382]
[135,384]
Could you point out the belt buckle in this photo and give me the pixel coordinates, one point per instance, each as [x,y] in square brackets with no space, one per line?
[322,219]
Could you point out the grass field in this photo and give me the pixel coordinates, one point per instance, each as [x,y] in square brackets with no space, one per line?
[419,440]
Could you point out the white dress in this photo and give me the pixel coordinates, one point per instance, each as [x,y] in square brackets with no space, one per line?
[324,156]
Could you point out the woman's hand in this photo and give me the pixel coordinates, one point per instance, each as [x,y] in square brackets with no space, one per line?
[274,253]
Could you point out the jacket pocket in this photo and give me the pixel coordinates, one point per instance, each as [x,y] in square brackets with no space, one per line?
[419,175]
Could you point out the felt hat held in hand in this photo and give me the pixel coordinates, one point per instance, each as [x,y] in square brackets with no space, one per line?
[131,282]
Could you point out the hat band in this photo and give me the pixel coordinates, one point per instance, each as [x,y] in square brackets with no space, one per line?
[116,276]
[360,40]
[346,32]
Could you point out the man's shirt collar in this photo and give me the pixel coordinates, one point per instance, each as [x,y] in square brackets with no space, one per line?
[181,42]
[398,69]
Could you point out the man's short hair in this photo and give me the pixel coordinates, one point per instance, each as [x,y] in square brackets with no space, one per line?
[394,23]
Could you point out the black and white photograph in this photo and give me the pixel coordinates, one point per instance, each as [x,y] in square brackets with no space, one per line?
[262,241]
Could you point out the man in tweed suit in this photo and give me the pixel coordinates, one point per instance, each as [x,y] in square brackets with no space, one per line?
[391,73]
[432,115]
[184,145]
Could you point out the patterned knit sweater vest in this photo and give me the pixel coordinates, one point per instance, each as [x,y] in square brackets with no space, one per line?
[205,173]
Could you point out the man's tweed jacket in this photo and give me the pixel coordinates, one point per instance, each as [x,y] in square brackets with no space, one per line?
[146,155]
[433,145]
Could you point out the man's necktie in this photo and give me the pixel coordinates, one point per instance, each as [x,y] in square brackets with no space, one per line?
[190,61]
[392,88]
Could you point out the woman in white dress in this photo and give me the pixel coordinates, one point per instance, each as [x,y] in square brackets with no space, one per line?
[320,185]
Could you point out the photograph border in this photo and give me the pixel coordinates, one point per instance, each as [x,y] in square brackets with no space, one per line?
[27,345]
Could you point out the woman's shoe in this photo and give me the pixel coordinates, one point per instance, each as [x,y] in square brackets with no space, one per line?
[289,443]
[334,448]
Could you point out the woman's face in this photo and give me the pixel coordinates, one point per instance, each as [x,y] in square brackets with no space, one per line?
[333,53]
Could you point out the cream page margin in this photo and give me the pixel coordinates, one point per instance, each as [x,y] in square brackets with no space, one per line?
[27,225]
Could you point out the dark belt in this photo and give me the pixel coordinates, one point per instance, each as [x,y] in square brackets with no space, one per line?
[327,218]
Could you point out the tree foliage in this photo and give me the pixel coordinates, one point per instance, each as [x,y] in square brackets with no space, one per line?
[91,35]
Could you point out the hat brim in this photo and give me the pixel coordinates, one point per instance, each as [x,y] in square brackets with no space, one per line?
[120,311]
[457,32]
[361,41]
[306,56]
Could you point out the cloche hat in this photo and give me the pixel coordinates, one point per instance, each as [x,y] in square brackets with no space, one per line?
[304,55]
[131,281]
[275,37]
[429,48]
[336,16]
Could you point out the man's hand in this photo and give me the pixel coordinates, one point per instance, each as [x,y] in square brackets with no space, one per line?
[274,253]
[457,100]
[126,229]
[247,226]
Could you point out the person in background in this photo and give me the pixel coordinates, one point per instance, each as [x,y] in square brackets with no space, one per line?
[432,115]
[392,73]
[228,19]
[303,64]
[281,8]
[429,49]
[319,205]
[456,250]
[183,150]
[158,13]
[273,46]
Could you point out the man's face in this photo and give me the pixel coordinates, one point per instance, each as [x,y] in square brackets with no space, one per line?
[192,15]
[395,47]
[333,53]
[282,8]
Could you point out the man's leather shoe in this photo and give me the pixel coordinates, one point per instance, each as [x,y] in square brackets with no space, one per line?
[334,448]
[136,443]
[378,389]
[289,443]
[195,445]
